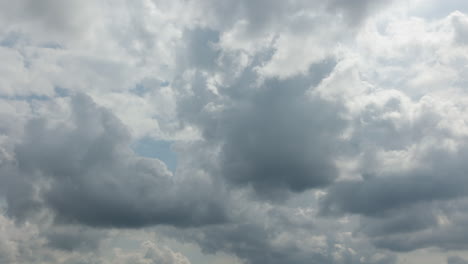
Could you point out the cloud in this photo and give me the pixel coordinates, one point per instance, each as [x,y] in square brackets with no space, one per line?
[267,15]
[357,11]
[408,177]
[92,177]
[50,19]
[456,260]
[460,24]
[44,243]
[74,238]
[276,138]
[280,140]
[304,131]
[152,254]
[390,192]
[283,234]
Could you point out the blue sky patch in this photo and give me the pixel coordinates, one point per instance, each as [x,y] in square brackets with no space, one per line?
[159,149]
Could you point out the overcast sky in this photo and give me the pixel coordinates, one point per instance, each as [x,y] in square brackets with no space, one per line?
[233,131]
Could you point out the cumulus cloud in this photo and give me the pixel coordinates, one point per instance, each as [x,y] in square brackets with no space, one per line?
[272,151]
[73,238]
[42,243]
[305,131]
[288,233]
[83,169]
[151,254]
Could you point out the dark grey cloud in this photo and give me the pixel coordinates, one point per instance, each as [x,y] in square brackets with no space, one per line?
[460,24]
[446,238]
[405,208]
[19,192]
[277,138]
[436,172]
[280,140]
[92,177]
[456,260]
[414,219]
[356,11]
[52,18]
[438,224]
[6,254]
[253,245]
[255,13]
[53,14]
[281,235]
[259,139]
[265,16]
[74,238]
[376,195]
[201,51]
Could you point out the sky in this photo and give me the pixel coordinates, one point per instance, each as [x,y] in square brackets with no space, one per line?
[233,132]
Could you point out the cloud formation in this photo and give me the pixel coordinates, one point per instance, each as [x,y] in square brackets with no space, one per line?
[302,131]
[91,176]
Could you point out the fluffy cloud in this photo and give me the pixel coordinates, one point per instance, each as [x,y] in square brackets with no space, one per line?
[43,243]
[152,254]
[305,131]
[83,169]
[288,233]
[263,146]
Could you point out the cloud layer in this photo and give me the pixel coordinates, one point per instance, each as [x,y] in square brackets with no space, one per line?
[304,131]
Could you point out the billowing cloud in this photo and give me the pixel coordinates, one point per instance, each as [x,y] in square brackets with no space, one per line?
[83,169]
[299,131]
[275,143]
[152,254]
